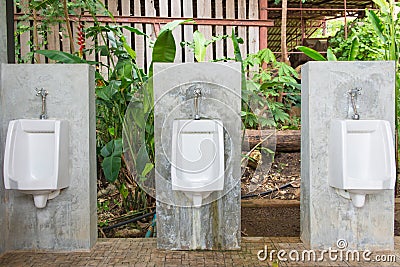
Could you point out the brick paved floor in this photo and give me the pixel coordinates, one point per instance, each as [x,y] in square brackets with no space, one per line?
[143,252]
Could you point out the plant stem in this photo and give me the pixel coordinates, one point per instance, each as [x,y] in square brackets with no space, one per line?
[35,35]
[68,24]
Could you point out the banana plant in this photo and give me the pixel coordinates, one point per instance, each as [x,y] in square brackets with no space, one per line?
[384,23]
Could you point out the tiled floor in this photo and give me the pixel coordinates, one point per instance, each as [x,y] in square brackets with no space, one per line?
[143,252]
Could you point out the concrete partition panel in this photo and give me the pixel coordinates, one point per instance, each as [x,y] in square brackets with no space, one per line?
[3,59]
[326,217]
[68,222]
[216,224]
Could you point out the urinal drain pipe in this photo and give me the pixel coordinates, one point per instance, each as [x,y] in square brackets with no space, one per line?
[128,221]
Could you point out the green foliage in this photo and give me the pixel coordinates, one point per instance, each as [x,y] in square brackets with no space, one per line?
[51,13]
[270,80]
[200,44]
[370,46]
[386,26]
[124,83]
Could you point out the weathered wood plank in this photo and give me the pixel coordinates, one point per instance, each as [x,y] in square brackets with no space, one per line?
[75,29]
[219,30]
[40,46]
[230,14]
[163,5]
[139,40]
[286,141]
[149,11]
[204,11]
[242,30]
[254,32]
[89,43]
[53,39]
[176,11]
[26,36]
[126,11]
[273,203]
[103,70]
[188,30]
[113,7]
[65,40]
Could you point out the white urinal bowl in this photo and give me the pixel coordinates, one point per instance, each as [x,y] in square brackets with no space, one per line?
[197,160]
[361,158]
[36,159]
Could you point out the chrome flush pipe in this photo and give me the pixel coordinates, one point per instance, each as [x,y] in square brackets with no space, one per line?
[353,99]
[42,93]
[197,94]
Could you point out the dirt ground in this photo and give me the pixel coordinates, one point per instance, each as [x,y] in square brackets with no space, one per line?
[271,221]
[274,220]
[282,179]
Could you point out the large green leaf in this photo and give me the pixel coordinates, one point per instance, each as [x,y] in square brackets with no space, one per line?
[111,164]
[354,49]
[114,147]
[164,48]
[61,57]
[199,46]
[311,53]
[377,25]
[330,55]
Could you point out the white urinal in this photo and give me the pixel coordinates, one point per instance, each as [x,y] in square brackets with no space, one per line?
[36,158]
[197,162]
[361,158]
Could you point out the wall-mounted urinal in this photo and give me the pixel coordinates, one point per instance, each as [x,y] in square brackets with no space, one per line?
[197,165]
[361,158]
[36,158]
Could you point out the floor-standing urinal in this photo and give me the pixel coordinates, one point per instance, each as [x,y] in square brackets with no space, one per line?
[36,158]
[361,158]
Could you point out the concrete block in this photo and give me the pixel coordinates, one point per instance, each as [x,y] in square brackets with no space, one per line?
[69,222]
[325,216]
[215,225]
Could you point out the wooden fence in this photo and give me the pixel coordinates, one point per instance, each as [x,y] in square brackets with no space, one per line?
[215,17]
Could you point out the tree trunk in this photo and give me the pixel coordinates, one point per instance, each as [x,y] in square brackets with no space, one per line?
[283,33]
[284,55]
